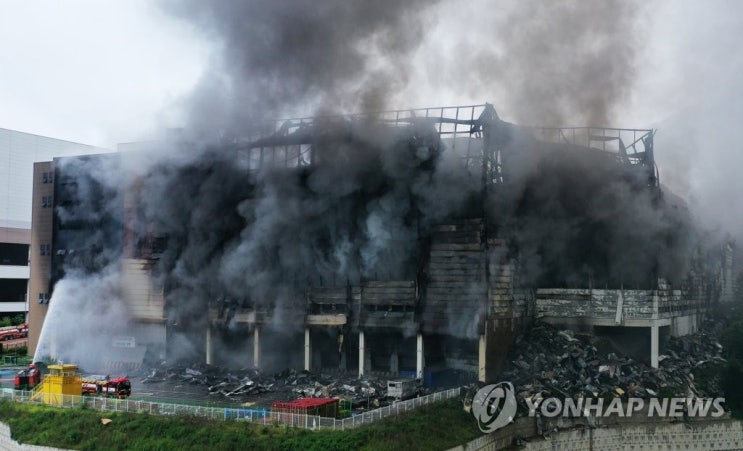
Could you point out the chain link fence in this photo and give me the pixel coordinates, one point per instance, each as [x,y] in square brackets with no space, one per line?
[259,415]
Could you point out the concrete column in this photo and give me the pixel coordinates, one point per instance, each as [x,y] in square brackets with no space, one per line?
[209,344]
[361,353]
[343,365]
[394,362]
[256,347]
[419,357]
[341,352]
[654,341]
[307,350]
[481,360]
[619,316]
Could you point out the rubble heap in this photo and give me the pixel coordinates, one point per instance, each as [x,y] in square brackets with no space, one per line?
[549,362]
[246,385]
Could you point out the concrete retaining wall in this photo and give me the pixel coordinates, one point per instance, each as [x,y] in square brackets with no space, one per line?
[648,436]
[723,435]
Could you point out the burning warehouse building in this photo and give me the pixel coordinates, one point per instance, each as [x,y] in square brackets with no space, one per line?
[411,242]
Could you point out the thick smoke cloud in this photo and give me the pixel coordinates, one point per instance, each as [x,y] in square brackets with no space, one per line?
[578,218]
[291,57]
[240,239]
[566,62]
[87,310]
[692,86]
[232,238]
[555,63]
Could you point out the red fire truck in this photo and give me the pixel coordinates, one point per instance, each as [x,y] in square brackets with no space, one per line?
[28,378]
[119,387]
[14,332]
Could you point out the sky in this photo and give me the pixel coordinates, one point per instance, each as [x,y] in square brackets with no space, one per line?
[103,72]
[95,72]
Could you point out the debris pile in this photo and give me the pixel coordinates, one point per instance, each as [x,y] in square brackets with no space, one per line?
[246,384]
[548,362]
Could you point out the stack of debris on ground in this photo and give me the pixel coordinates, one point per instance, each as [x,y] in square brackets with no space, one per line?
[246,385]
[549,362]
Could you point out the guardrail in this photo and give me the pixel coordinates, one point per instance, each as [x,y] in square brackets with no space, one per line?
[259,416]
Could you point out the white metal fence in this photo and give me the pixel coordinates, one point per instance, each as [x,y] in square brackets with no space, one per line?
[260,416]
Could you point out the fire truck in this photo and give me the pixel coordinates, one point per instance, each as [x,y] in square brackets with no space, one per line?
[119,387]
[14,332]
[28,378]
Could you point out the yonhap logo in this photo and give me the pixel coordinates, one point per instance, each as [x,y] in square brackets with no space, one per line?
[494,406]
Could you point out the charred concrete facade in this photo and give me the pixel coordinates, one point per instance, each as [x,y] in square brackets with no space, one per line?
[414,243]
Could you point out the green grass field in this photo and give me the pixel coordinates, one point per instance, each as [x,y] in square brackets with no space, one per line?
[439,426]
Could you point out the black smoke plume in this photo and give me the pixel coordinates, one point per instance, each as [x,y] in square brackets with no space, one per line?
[229,237]
[290,57]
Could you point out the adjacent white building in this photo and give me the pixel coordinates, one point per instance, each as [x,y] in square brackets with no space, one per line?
[18,153]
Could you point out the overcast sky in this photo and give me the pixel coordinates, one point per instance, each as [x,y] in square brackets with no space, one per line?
[103,72]
[93,71]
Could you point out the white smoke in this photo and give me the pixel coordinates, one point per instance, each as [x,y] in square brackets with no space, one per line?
[86,313]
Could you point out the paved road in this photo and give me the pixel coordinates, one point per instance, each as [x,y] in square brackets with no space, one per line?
[169,391]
